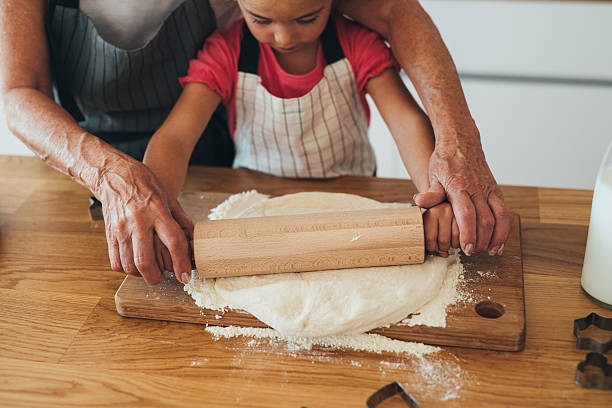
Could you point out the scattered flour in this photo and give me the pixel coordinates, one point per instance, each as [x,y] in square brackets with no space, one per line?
[435,376]
[487,274]
[438,378]
[198,363]
[424,370]
[361,342]
[434,312]
[237,204]
[441,379]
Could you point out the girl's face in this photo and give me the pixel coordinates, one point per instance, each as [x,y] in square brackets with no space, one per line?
[286,25]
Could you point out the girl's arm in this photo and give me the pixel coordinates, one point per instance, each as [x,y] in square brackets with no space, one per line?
[409,125]
[171,146]
[414,137]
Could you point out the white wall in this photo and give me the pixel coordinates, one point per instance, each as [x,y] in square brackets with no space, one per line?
[538,79]
[532,134]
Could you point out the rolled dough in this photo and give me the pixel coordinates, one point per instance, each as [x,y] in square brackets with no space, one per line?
[325,303]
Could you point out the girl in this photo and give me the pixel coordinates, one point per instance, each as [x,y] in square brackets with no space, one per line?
[293,77]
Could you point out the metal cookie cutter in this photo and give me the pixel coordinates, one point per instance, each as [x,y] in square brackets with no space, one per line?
[588,378]
[389,391]
[589,343]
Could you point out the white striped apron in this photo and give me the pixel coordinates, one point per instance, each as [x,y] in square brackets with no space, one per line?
[321,134]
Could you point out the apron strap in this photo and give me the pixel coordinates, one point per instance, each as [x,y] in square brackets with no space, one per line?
[68,3]
[62,82]
[249,52]
[248,60]
[330,43]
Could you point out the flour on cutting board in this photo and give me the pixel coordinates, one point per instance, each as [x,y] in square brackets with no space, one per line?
[336,302]
[434,312]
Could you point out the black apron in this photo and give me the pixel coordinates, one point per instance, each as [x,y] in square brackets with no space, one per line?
[123,96]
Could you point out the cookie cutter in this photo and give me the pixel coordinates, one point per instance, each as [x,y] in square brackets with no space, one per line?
[95,209]
[586,376]
[389,391]
[589,378]
[589,343]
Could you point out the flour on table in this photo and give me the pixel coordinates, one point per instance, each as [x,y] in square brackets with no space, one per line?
[361,342]
[327,303]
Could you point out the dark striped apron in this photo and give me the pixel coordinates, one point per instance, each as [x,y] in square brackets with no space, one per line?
[123,96]
[321,134]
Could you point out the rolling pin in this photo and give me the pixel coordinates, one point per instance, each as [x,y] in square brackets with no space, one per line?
[309,242]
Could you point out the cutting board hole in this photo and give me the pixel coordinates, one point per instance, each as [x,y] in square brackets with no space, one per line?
[490,310]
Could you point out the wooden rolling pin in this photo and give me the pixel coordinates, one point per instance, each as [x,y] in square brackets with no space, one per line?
[309,242]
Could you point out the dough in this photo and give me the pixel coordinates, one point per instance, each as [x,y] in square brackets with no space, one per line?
[325,303]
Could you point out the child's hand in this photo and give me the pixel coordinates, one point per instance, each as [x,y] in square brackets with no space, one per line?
[441,230]
[162,255]
[164,261]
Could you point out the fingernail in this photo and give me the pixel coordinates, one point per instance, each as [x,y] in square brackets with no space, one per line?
[469,248]
[414,197]
[185,277]
[493,251]
[501,249]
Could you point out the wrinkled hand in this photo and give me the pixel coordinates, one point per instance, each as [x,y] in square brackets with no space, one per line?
[459,173]
[441,230]
[137,211]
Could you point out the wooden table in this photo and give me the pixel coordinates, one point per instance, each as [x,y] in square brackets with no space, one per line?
[62,343]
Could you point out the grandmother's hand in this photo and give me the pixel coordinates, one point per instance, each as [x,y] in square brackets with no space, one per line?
[137,210]
[459,172]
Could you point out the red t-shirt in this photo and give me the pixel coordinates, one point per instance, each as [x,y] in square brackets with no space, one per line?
[217,64]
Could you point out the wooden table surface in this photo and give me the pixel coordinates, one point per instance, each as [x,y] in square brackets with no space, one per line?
[63,344]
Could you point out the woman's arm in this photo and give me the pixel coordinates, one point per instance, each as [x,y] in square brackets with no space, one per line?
[171,146]
[458,169]
[134,204]
[409,125]
[413,135]
[418,47]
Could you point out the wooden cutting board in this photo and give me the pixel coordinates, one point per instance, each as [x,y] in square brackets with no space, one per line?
[493,316]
